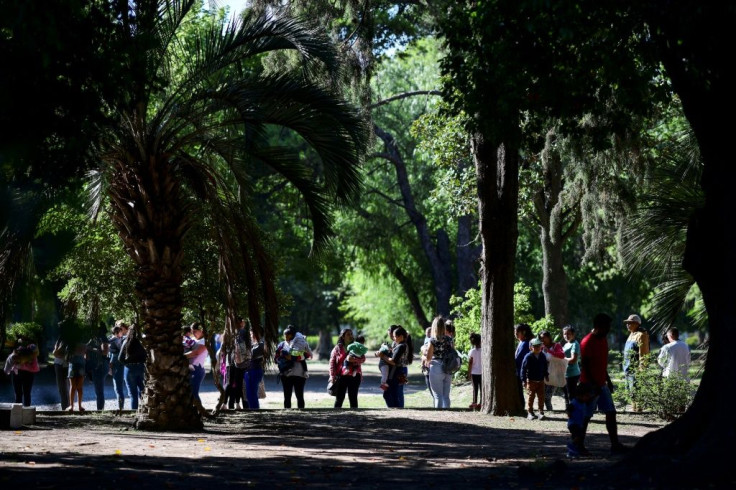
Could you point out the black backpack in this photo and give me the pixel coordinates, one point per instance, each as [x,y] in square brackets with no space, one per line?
[451,361]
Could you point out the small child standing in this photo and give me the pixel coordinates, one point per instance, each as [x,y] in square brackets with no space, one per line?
[533,374]
[475,369]
[579,411]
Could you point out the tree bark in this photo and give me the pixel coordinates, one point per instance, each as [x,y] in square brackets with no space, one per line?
[497,168]
[695,46]
[150,218]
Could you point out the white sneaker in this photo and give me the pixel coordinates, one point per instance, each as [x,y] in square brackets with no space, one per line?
[530,416]
[541,416]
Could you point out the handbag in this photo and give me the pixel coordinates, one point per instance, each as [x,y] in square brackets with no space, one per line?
[332,387]
[261,389]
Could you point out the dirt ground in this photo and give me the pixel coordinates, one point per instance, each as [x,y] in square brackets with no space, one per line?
[315,448]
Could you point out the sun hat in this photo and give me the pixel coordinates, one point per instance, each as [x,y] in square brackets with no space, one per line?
[633,319]
[535,342]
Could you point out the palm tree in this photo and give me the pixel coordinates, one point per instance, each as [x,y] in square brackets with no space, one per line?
[654,240]
[191,130]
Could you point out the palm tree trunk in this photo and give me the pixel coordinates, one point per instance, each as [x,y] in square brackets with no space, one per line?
[150,217]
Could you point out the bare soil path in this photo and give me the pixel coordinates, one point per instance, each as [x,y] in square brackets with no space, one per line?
[315,448]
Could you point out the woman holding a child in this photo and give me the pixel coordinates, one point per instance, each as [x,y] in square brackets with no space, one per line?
[345,368]
[399,357]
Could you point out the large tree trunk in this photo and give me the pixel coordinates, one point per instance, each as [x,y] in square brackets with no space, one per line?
[696,47]
[497,168]
[150,217]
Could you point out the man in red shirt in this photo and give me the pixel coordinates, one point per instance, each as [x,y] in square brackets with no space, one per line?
[594,370]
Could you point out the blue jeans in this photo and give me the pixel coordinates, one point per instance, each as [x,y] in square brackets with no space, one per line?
[253,378]
[118,381]
[440,383]
[196,381]
[134,382]
[99,373]
[391,395]
[400,390]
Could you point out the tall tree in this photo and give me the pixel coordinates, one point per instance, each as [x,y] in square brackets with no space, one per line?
[508,59]
[694,41]
[189,133]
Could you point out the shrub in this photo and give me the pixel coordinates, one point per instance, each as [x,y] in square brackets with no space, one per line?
[666,397]
[28,330]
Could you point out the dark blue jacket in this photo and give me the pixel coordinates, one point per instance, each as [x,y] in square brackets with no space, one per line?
[534,368]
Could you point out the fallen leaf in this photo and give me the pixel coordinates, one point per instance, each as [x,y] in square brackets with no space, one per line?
[118,452]
[200,440]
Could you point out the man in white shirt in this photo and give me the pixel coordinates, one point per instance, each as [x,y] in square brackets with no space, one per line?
[674,357]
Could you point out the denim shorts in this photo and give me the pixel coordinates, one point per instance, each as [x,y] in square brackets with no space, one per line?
[604,401]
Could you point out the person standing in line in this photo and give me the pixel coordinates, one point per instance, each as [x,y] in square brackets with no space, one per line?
[571,350]
[197,357]
[423,350]
[254,373]
[293,352]
[117,370]
[97,363]
[133,357]
[61,365]
[22,366]
[77,358]
[635,348]
[674,356]
[475,370]
[594,371]
[345,369]
[398,359]
[524,335]
[439,380]
[550,348]
[533,374]
[450,330]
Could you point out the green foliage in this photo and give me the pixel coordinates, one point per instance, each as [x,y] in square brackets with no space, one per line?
[666,397]
[27,330]
[522,304]
[97,275]
[467,313]
[547,323]
[375,303]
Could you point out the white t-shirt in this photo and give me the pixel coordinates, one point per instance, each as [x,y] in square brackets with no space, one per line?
[477,367]
[200,358]
[674,358]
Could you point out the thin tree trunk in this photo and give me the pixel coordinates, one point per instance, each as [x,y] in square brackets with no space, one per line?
[437,254]
[467,256]
[552,222]
[498,188]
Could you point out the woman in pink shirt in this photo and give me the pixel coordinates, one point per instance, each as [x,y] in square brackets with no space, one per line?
[554,349]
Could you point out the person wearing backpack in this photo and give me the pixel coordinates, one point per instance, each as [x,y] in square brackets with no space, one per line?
[97,366]
[440,346]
